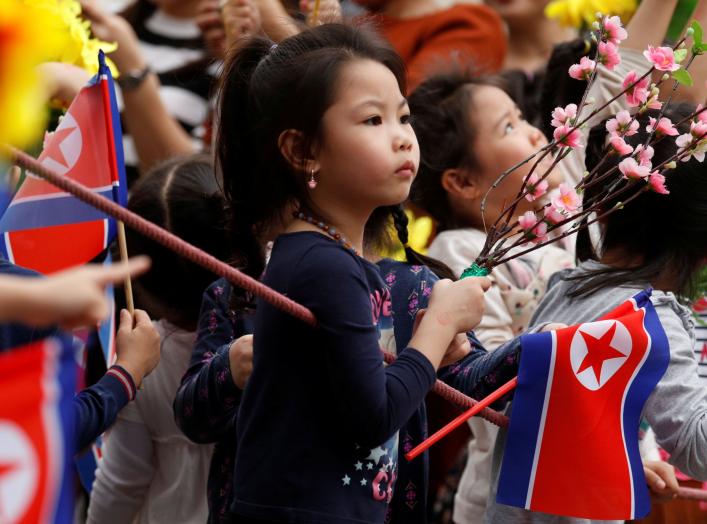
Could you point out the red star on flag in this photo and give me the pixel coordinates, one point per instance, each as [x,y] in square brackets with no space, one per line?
[53,149]
[598,350]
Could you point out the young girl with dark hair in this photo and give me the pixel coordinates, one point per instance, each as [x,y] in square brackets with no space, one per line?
[317,128]
[150,472]
[657,241]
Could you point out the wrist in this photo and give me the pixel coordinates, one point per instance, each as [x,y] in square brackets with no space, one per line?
[134,371]
[126,379]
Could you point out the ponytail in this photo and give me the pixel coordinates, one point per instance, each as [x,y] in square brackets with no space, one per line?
[400,221]
[235,161]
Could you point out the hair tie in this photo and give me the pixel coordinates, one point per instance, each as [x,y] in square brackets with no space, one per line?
[272,48]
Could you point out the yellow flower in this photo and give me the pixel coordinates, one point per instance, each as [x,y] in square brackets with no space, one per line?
[27,38]
[581,13]
[80,49]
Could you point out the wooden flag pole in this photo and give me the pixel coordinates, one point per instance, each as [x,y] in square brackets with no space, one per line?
[440,434]
[123,246]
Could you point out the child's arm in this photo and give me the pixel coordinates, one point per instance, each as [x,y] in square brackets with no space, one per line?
[206,403]
[677,408]
[376,401]
[138,350]
[71,298]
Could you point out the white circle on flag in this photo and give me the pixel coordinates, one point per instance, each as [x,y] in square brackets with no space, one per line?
[69,147]
[619,345]
[18,472]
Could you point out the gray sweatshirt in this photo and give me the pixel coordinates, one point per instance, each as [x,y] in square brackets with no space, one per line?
[676,409]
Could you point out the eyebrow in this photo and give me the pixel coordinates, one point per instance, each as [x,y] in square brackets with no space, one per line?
[502,118]
[379,104]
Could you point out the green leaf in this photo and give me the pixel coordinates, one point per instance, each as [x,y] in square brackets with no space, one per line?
[682,77]
[697,35]
[680,55]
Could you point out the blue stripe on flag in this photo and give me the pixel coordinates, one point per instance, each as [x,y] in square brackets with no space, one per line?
[49,212]
[66,378]
[643,384]
[519,453]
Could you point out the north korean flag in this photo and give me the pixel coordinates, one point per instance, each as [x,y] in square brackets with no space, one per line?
[37,385]
[48,230]
[572,446]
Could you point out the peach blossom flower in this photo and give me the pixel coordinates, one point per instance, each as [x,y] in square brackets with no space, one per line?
[615,31]
[608,55]
[568,137]
[622,125]
[662,58]
[638,94]
[664,126]
[633,170]
[567,199]
[657,183]
[535,187]
[583,70]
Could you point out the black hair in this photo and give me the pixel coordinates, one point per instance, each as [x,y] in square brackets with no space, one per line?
[182,196]
[441,106]
[663,232]
[557,87]
[265,90]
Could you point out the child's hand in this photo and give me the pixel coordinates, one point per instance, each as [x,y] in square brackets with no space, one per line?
[208,18]
[71,298]
[457,349]
[137,344]
[240,358]
[661,479]
[458,306]
[240,18]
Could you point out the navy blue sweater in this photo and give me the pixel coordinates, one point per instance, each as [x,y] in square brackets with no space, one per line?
[317,427]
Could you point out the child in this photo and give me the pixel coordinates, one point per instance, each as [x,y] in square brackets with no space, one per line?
[655,240]
[319,124]
[150,472]
[464,148]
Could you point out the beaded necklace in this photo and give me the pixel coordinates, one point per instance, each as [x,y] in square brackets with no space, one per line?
[329,230]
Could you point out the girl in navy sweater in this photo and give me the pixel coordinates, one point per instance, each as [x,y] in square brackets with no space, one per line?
[318,127]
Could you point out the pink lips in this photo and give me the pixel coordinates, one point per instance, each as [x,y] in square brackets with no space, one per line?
[406,170]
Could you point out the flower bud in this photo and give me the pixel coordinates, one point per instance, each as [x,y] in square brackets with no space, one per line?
[671,165]
[599,15]
[690,31]
[596,25]
[665,77]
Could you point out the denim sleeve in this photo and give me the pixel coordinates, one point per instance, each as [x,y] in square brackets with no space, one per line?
[206,403]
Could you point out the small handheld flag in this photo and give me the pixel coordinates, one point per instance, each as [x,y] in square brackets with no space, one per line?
[36,433]
[48,230]
[572,446]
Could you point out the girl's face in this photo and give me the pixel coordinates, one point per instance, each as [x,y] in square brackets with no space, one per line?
[368,154]
[503,139]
